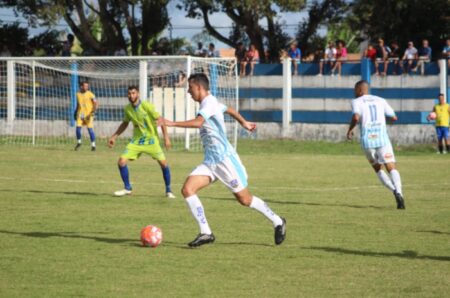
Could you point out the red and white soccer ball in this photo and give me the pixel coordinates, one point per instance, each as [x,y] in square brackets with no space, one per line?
[151,236]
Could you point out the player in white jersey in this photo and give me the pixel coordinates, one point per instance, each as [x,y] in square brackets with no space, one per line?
[371,112]
[221,161]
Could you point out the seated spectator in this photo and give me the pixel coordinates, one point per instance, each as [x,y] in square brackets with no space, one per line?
[329,57]
[239,53]
[394,56]
[370,53]
[200,51]
[409,56]
[212,53]
[283,55]
[424,54]
[296,55]
[251,57]
[341,57]
[446,52]
[382,52]
[67,45]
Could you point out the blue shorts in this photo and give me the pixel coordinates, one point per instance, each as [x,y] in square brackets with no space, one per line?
[442,132]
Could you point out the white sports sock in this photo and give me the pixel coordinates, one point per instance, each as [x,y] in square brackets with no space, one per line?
[79,141]
[262,207]
[384,178]
[93,144]
[198,213]
[395,176]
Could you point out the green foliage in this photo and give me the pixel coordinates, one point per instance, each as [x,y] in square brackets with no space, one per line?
[15,38]
[403,20]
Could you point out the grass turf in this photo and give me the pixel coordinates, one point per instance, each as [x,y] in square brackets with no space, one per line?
[62,233]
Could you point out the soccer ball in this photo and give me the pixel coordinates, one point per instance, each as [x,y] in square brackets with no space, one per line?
[432,116]
[151,236]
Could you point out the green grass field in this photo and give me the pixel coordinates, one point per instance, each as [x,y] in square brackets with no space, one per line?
[62,233]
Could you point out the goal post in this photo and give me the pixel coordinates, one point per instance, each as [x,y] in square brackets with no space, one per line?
[38,95]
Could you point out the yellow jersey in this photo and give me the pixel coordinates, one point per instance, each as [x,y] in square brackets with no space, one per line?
[442,114]
[85,103]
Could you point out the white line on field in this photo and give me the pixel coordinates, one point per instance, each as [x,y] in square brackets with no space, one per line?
[317,189]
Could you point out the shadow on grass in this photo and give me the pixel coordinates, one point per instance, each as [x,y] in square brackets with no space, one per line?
[77,193]
[406,254]
[435,232]
[306,203]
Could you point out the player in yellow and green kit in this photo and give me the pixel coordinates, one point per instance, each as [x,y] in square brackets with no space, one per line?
[145,139]
[84,113]
[442,110]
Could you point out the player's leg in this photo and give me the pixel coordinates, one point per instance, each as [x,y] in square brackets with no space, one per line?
[440,138]
[383,177]
[90,127]
[166,176]
[131,153]
[198,179]
[447,138]
[397,181]
[79,124]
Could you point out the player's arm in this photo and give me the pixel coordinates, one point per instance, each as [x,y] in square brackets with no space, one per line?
[193,123]
[250,126]
[165,133]
[353,123]
[119,131]
[75,113]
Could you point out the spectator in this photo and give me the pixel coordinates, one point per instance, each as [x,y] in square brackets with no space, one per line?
[200,51]
[212,51]
[409,56]
[252,58]
[442,111]
[329,57]
[5,52]
[296,55]
[341,57]
[239,53]
[67,45]
[120,51]
[381,56]
[394,56]
[446,52]
[370,53]
[424,56]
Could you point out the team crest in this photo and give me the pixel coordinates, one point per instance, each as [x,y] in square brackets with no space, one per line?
[234,183]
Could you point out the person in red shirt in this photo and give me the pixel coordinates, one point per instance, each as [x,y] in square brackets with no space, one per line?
[370,53]
[251,57]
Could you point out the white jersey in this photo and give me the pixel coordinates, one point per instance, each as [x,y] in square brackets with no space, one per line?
[213,131]
[372,111]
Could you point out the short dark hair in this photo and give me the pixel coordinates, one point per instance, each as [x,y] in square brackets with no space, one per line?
[200,79]
[83,82]
[360,83]
[133,87]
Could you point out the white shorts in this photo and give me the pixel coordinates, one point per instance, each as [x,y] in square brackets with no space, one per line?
[230,172]
[381,155]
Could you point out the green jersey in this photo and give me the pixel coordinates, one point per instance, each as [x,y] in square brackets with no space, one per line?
[143,117]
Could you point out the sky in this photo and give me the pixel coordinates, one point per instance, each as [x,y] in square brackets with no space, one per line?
[183,27]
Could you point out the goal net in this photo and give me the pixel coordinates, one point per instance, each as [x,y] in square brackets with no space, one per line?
[38,95]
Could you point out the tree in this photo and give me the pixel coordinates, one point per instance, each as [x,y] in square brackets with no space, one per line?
[248,16]
[14,38]
[403,20]
[141,20]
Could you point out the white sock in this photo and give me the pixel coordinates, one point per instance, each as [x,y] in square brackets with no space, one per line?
[93,144]
[384,178]
[395,176]
[79,141]
[262,207]
[198,213]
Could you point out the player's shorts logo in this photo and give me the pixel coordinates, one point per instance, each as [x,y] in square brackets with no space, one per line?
[234,183]
[388,155]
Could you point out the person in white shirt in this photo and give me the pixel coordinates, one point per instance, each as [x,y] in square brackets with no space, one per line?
[409,57]
[371,112]
[221,161]
[329,57]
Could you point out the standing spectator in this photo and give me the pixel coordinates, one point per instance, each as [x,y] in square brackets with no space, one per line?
[446,52]
[67,45]
[328,57]
[239,53]
[200,51]
[409,56]
[252,58]
[296,55]
[442,111]
[394,56]
[341,57]
[424,56]
[381,56]
[212,51]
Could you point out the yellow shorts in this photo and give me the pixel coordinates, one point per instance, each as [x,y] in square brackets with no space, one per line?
[84,122]
[133,151]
